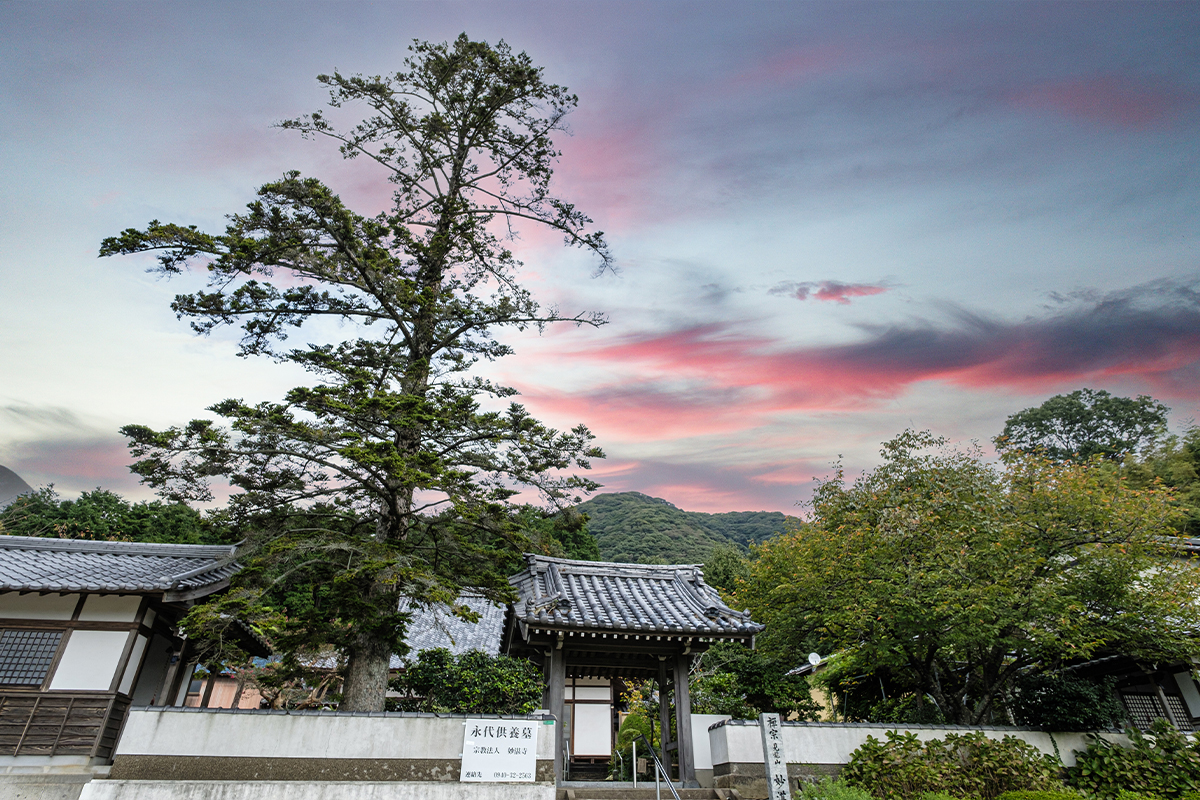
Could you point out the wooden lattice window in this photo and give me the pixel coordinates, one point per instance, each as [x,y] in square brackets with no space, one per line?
[25,656]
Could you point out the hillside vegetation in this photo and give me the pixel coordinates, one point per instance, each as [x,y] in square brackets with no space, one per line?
[634,527]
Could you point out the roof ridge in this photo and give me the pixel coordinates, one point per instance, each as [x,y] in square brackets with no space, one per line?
[618,565]
[214,551]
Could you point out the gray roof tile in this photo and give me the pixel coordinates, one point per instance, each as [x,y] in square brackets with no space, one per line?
[434,627]
[30,563]
[638,598]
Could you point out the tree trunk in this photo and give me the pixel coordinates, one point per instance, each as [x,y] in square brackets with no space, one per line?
[366,676]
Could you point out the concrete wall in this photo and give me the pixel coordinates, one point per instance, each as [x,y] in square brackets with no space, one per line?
[821,748]
[298,790]
[209,744]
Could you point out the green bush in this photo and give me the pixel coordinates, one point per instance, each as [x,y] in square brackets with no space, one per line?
[1164,763]
[1042,794]
[830,789]
[472,683]
[963,765]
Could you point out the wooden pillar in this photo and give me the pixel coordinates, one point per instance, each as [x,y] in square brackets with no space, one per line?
[683,723]
[177,671]
[664,715]
[557,706]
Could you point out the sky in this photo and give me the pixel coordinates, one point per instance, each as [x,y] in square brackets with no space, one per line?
[830,221]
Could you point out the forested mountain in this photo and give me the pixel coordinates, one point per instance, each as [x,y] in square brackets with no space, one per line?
[631,526]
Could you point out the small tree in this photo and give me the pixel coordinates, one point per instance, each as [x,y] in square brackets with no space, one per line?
[471,683]
[956,576]
[414,472]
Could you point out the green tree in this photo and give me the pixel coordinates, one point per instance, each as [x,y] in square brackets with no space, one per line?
[562,533]
[105,515]
[724,567]
[733,679]
[1084,424]
[1175,462]
[958,575]
[392,433]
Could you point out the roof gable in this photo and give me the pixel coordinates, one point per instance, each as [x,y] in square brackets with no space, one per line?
[594,595]
[179,571]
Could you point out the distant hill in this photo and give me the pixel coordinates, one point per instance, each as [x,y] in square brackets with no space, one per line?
[11,486]
[634,527]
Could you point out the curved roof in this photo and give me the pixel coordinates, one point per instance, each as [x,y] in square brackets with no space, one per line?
[637,598]
[179,571]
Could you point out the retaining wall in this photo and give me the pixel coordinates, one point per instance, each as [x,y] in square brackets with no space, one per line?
[248,745]
[817,749]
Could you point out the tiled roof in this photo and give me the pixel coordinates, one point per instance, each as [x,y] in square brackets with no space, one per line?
[30,563]
[430,628]
[645,599]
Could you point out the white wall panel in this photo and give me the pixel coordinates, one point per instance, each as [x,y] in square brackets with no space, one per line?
[110,608]
[592,729]
[90,660]
[36,606]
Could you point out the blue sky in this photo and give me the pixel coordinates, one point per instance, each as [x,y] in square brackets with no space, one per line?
[831,221]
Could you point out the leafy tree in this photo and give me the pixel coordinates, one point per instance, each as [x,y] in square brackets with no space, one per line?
[1084,424]
[105,515]
[733,679]
[393,435]
[724,567]
[471,683]
[1065,702]
[1175,462]
[958,575]
[563,533]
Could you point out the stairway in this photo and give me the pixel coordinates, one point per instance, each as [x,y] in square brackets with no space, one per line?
[611,790]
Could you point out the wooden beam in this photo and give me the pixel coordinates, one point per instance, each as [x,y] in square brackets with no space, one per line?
[558,689]
[664,715]
[683,722]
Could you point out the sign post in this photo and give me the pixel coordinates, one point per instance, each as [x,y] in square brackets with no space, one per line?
[772,739]
[499,751]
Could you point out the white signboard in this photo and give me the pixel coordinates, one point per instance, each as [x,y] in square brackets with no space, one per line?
[499,751]
[772,738]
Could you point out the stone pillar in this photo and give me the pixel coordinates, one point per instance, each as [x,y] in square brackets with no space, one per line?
[683,723]
[664,715]
[557,707]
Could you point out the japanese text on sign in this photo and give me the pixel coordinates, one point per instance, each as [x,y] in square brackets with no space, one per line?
[772,738]
[499,751]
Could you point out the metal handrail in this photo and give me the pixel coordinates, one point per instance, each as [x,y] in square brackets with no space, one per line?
[658,769]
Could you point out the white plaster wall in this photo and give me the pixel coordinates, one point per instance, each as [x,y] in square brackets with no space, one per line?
[110,608]
[265,735]
[700,741]
[592,725]
[317,790]
[90,660]
[833,744]
[35,606]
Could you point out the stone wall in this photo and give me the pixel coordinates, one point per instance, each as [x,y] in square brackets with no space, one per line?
[817,749]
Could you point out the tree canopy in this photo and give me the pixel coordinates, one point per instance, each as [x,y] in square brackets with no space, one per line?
[412,459]
[1084,424]
[105,515]
[947,576]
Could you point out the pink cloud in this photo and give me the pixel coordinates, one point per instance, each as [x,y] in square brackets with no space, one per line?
[1109,100]
[835,291]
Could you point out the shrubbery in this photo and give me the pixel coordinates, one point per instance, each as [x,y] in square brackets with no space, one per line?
[1164,763]
[472,683]
[963,765]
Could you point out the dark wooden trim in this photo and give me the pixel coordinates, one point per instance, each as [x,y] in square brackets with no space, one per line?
[63,624]
[123,661]
[78,607]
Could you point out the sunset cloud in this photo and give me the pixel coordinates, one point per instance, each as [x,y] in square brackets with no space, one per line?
[836,291]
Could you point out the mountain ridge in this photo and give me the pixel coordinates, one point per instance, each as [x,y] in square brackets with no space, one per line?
[638,528]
